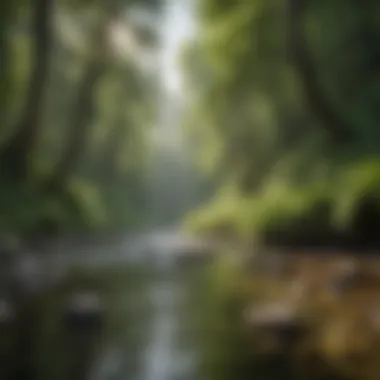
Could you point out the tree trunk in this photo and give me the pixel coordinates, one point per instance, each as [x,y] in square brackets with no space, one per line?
[80,125]
[6,74]
[112,149]
[17,153]
[331,120]
[84,104]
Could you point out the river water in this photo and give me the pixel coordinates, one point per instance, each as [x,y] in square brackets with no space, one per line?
[154,325]
[158,320]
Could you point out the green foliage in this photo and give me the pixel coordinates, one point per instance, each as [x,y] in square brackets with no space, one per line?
[27,209]
[106,186]
[321,213]
[292,181]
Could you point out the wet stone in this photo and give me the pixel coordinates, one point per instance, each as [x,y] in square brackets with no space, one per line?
[6,312]
[84,312]
[279,321]
[346,282]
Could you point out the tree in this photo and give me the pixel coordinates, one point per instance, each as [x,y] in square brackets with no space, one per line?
[18,151]
[265,61]
[101,56]
[76,57]
[83,110]
[336,125]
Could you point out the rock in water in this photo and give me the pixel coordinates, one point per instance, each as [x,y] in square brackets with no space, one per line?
[6,312]
[84,311]
[279,320]
[29,273]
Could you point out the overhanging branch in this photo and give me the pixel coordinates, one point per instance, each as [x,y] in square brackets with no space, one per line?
[334,123]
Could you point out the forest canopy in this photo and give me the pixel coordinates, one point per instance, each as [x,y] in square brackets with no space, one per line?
[284,104]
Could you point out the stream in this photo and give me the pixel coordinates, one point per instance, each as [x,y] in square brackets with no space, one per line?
[153,319]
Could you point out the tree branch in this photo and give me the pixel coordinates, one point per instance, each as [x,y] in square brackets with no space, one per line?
[331,120]
[84,104]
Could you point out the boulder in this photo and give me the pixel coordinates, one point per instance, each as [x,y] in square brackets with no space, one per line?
[6,313]
[278,320]
[28,273]
[84,311]
[349,276]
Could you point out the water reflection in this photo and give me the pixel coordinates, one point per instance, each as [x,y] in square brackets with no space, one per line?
[119,318]
[160,347]
[155,331]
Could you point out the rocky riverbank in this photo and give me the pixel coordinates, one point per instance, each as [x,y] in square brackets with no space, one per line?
[320,313]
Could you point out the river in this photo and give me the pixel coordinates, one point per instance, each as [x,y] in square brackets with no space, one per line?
[153,320]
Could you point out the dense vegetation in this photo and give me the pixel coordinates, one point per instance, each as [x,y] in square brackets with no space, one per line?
[76,103]
[284,108]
